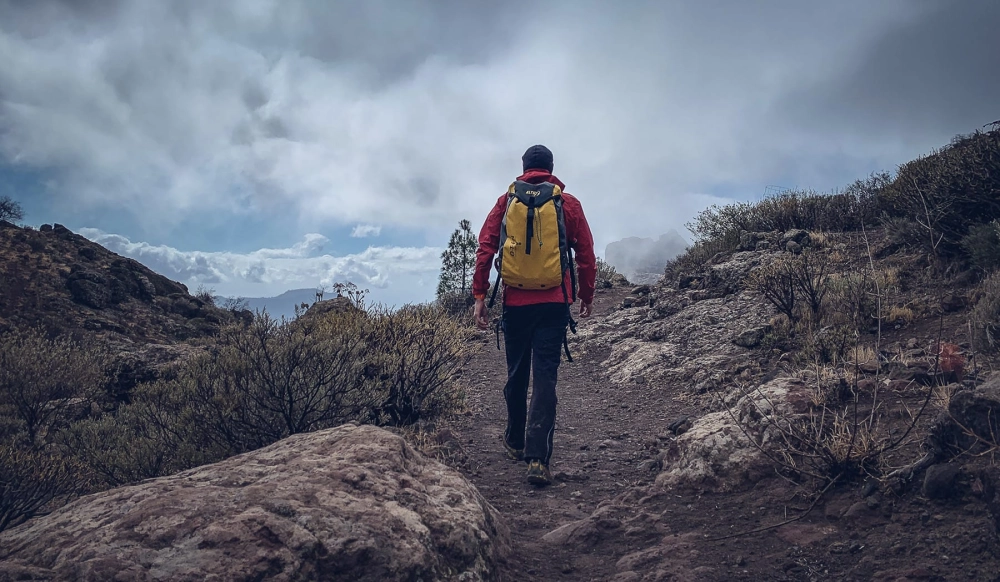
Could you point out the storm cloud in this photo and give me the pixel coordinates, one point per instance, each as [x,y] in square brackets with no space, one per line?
[413,115]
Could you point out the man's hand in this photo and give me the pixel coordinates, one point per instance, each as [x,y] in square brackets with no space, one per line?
[482,316]
[585,309]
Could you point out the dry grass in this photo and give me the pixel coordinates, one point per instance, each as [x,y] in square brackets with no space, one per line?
[861,355]
[903,315]
[819,240]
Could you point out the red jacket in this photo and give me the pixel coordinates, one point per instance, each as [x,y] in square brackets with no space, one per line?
[577,234]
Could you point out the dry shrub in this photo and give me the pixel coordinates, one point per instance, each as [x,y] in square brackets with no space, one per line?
[858,205]
[266,380]
[901,315]
[859,355]
[819,240]
[411,358]
[776,281]
[982,246]
[698,254]
[41,379]
[605,273]
[948,191]
[861,297]
[985,316]
[456,304]
[32,482]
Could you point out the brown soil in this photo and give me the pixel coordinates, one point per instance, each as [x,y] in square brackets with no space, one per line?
[605,432]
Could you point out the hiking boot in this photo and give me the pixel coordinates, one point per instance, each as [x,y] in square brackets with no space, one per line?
[538,474]
[512,453]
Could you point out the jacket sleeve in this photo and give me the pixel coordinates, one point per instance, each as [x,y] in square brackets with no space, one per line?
[489,243]
[582,243]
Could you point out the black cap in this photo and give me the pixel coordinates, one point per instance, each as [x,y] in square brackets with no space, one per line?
[537,157]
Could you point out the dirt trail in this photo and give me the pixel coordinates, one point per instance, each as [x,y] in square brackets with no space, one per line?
[606,437]
[603,434]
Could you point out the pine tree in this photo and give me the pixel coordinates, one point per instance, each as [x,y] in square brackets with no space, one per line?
[458,261]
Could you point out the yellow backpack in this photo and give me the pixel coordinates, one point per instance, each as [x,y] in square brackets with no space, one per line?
[534,253]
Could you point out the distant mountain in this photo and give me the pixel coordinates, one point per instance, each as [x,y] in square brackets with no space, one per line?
[282,305]
[643,259]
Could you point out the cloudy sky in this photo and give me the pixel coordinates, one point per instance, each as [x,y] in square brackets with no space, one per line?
[255,146]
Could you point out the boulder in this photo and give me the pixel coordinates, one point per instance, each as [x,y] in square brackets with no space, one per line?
[940,481]
[970,424]
[752,337]
[715,453]
[796,235]
[335,305]
[749,241]
[348,503]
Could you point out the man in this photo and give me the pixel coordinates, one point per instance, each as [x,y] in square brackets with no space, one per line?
[534,321]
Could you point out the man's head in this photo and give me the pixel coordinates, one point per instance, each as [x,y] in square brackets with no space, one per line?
[538,157]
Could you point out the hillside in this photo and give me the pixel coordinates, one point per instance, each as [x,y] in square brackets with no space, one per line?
[59,280]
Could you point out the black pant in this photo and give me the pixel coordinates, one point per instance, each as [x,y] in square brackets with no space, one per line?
[533,334]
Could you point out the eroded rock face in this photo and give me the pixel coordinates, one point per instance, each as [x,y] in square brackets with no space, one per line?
[716,453]
[684,338]
[348,503]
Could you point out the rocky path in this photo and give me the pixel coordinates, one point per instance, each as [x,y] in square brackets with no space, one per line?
[606,437]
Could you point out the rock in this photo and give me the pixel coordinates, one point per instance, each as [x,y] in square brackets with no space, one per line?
[45,228]
[676,557]
[348,503]
[752,337]
[796,235]
[630,301]
[640,290]
[586,533]
[750,241]
[953,302]
[858,509]
[970,424]
[716,454]
[763,245]
[940,481]
[619,280]
[793,247]
[680,425]
[89,288]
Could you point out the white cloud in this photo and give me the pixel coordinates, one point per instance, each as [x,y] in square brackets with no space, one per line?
[366,230]
[390,272]
[414,114]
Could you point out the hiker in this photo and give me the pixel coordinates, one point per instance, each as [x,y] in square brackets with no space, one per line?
[537,226]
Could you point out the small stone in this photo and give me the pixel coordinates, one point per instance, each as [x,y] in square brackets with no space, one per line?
[857,509]
[940,481]
[680,425]
[793,247]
